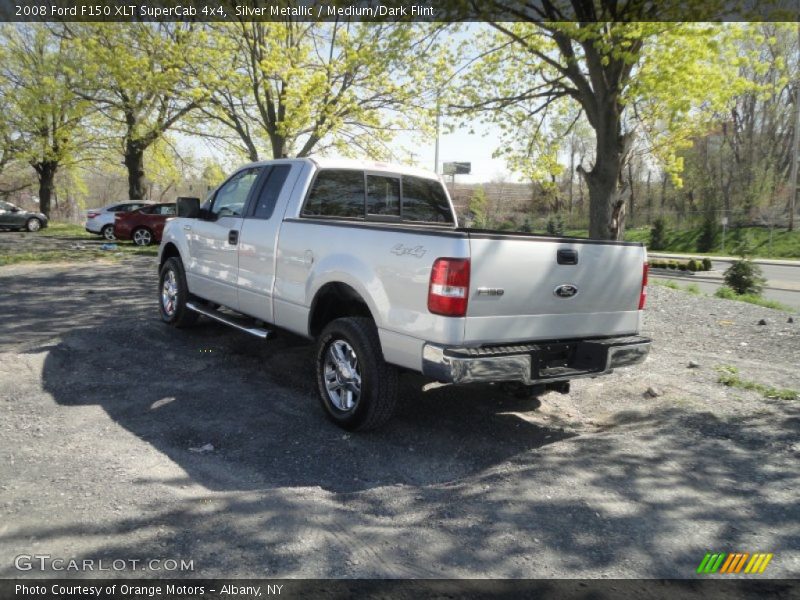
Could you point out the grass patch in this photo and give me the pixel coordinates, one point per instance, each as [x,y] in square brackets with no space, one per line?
[67,229]
[729,376]
[727,293]
[76,255]
[667,284]
[693,289]
[785,244]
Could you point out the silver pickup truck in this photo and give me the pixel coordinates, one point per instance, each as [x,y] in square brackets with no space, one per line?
[367,259]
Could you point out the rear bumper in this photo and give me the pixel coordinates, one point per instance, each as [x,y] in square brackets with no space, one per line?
[539,362]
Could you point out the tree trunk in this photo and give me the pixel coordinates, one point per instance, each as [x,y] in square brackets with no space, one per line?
[278,145]
[47,175]
[134,161]
[606,206]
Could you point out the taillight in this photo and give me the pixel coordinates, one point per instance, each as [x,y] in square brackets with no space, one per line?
[643,294]
[449,289]
[91,215]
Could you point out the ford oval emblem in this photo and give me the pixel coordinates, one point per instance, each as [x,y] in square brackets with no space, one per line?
[566,290]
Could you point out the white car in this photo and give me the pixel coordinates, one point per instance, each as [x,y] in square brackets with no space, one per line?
[101,220]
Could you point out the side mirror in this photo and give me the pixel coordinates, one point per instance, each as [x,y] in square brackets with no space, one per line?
[188,208]
[14,209]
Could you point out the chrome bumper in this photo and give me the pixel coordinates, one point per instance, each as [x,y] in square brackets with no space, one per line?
[539,362]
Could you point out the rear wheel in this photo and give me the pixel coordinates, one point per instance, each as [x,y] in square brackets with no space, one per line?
[142,236]
[173,295]
[357,388]
[33,224]
[108,233]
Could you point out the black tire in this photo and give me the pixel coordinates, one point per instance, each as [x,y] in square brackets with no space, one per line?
[142,236]
[177,314]
[107,233]
[33,224]
[377,397]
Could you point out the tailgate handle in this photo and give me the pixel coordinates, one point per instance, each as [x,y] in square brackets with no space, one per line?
[567,257]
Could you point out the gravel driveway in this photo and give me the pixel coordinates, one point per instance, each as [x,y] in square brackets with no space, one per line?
[108,417]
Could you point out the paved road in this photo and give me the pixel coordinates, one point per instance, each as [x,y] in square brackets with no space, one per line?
[783,278]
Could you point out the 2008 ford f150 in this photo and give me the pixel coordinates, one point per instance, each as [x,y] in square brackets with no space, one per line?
[368,260]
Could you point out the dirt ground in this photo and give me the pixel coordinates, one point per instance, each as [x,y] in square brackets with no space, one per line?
[106,417]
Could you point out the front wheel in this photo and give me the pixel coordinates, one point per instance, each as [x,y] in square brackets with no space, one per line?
[357,388]
[142,236]
[173,295]
[33,224]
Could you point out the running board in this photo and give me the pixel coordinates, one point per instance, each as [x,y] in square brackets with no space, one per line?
[259,332]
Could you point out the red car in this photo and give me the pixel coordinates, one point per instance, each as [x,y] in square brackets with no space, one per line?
[145,225]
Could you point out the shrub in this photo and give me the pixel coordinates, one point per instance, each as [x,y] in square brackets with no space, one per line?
[706,264]
[658,235]
[693,289]
[477,207]
[555,226]
[744,277]
[673,264]
[708,231]
[692,265]
[725,292]
[527,227]
[682,266]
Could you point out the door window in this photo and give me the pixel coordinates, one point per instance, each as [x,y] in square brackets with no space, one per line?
[336,193]
[230,199]
[270,191]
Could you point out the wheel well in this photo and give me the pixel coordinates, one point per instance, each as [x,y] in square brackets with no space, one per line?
[169,251]
[334,301]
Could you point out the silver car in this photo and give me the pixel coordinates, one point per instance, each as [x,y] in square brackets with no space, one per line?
[101,220]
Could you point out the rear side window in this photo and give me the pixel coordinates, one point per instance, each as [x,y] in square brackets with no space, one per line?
[424,200]
[270,191]
[383,195]
[336,194]
[165,209]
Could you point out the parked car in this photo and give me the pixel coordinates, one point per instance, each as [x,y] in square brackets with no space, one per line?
[15,218]
[143,225]
[101,220]
[368,260]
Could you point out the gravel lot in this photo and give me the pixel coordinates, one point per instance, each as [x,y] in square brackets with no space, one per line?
[102,409]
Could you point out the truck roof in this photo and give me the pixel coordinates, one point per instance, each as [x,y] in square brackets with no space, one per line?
[349,163]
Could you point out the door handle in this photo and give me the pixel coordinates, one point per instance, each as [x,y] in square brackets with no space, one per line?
[233,237]
[187,227]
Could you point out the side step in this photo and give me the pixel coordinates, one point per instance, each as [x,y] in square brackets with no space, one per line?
[259,332]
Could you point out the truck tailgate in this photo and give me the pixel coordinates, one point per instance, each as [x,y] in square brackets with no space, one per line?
[523,287]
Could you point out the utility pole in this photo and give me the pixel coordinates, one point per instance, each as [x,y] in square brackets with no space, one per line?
[796,150]
[438,119]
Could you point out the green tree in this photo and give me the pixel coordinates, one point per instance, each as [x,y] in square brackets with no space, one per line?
[624,71]
[477,207]
[145,78]
[45,117]
[297,88]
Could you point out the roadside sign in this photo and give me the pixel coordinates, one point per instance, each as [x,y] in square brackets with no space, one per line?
[456,168]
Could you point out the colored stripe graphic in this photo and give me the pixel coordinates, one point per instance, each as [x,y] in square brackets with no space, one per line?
[758,563]
[734,562]
[711,562]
